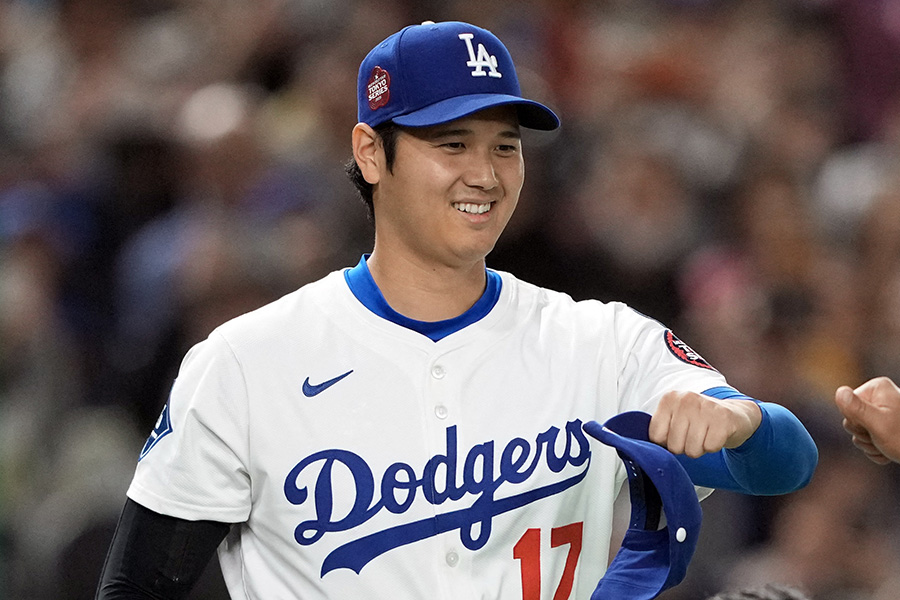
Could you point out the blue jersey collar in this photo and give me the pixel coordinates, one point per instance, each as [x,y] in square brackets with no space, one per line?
[366,291]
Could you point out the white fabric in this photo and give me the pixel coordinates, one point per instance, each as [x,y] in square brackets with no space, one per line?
[473,409]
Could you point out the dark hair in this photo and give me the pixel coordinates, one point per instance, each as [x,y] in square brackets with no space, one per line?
[388,133]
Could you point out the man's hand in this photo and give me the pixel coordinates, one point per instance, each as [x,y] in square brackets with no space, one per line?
[694,424]
[872,416]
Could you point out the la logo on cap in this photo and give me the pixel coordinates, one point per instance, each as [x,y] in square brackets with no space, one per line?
[379,88]
[425,75]
[482,60]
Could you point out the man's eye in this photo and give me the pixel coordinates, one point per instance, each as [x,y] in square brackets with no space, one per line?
[507,149]
[454,145]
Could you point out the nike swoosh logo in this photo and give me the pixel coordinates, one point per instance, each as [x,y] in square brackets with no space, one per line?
[310,390]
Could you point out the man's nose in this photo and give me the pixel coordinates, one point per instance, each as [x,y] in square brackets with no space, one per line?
[480,172]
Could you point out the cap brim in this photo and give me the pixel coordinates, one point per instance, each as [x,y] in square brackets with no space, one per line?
[532,115]
[639,569]
[649,561]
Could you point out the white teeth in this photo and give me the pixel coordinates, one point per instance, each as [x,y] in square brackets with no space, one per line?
[469,207]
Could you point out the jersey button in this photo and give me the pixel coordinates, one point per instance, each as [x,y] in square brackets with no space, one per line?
[438,372]
[441,411]
[452,558]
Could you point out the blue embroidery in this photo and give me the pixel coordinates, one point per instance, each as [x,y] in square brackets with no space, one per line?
[399,485]
[310,390]
[162,429]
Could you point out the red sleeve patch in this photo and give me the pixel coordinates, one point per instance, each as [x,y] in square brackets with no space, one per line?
[683,352]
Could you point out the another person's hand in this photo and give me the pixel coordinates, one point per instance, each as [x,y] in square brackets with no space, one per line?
[694,424]
[872,416]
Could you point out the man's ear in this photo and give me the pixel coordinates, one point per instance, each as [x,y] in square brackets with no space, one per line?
[368,152]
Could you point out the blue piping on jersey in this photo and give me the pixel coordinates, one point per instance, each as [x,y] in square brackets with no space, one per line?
[366,291]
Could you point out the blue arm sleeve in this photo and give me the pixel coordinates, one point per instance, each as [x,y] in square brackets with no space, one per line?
[778,458]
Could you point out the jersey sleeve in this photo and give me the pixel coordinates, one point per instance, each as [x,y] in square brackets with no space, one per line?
[194,465]
[653,361]
[779,458]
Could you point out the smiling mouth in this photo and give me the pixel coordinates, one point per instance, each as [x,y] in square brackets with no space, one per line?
[472,208]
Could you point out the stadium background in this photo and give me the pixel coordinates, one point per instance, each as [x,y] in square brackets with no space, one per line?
[729,167]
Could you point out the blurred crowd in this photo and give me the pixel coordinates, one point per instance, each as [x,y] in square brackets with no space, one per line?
[728,167]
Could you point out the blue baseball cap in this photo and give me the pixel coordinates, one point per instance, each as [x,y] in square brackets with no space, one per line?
[650,560]
[434,73]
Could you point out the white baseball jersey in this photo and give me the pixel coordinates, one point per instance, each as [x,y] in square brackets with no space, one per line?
[361,459]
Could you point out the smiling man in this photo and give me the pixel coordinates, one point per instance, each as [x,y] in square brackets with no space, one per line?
[412,427]
[441,208]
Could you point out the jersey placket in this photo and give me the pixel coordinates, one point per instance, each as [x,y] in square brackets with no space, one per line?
[442,409]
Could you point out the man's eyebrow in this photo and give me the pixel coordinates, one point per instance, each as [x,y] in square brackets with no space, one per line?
[440,133]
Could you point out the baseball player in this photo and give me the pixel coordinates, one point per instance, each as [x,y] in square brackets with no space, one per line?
[411,427]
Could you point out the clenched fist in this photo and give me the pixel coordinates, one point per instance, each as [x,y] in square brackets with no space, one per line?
[694,424]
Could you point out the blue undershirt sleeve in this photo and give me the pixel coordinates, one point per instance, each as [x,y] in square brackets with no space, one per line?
[778,458]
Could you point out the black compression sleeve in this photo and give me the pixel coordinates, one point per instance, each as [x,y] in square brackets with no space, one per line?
[154,556]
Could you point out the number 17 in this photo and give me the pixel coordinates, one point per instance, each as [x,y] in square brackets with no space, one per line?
[528,551]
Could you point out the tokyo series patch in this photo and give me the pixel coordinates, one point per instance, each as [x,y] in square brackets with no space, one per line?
[683,352]
[379,88]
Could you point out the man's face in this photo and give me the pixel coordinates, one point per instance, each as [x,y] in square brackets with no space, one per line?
[452,190]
